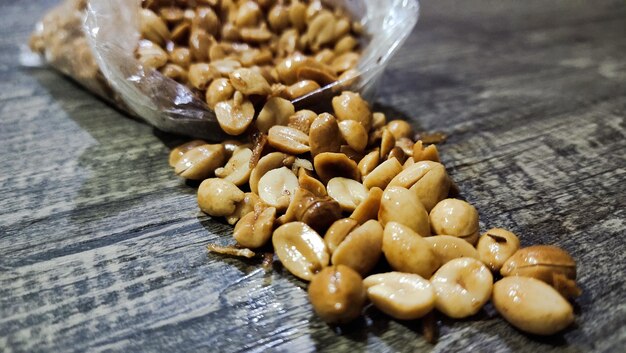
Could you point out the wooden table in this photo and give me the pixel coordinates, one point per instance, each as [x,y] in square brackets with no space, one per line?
[102,247]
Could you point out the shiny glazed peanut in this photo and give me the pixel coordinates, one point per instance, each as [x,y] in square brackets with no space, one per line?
[349,193]
[302,120]
[249,82]
[288,139]
[428,180]
[407,251]
[383,174]
[541,262]
[275,112]
[319,212]
[177,153]
[361,249]
[234,116]
[237,169]
[219,90]
[368,163]
[300,249]
[403,296]
[402,206]
[250,202]
[337,294]
[255,229]
[350,106]
[496,246]
[277,187]
[400,129]
[218,198]
[200,162]
[455,217]
[532,305]
[337,232]
[449,248]
[268,162]
[368,209]
[354,134]
[329,165]
[324,135]
[462,286]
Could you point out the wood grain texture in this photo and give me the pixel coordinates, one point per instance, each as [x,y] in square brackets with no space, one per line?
[102,247]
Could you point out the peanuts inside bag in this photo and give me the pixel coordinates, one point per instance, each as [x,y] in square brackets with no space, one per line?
[94,42]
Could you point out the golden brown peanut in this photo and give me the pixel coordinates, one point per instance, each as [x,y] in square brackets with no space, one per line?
[368,163]
[361,248]
[402,206]
[277,187]
[403,296]
[429,180]
[250,202]
[541,262]
[400,129]
[230,32]
[249,14]
[345,62]
[345,44]
[337,232]
[378,120]
[181,57]
[235,115]
[237,169]
[398,154]
[255,229]
[351,153]
[199,43]
[342,27]
[321,75]
[249,82]
[532,305]
[407,251]
[455,217]
[206,19]
[288,43]
[383,174]
[325,56]
[177,153]
[218,197]
[275,112]
[428,153]
[287,68]
[150,55]
[200,75]
[255,35]
[268,162]
[329,165]
[350,106]
[152,27]
[354,134]
[324,135]
[387,142]
[174,72]
[288,139]
[462,286]
[301,89]
[225,66]
[200,162]
[368,209]
[171,14]
[407,164]
[278,17]
[297,15]
[311,184]
[349,193]
[321,30]
[300,249]
[406,144]
[449,248]
[219,90]
[318,212]
[337,294]
[302,120]
[347,80]
[496,246]
[231,146]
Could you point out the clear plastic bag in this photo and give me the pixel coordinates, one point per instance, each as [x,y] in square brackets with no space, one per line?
[93,42]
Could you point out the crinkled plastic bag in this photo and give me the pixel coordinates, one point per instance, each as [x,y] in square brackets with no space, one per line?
[93,42]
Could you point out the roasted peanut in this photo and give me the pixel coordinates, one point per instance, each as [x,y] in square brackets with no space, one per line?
[250,202]
[402,206]
[225,66]
[302,120]
[219,90]
[297,15]
[278,18]
[532,305]
[428,180]
[152,27]
[345,62]
[237,169]
[248,14]
[354,134]
[288,139]
[329,165]
[255,228]
[350,106]
[349,193]
[177,153]
[403,296]
[181,57]
[455,217]
[218,197]
[199,43]
[407,251]
[174,72]
[541,262]
[206,19]
[301,89]
[462,286]
[368,209]
[200,162]
[337,232]
[300,249]
[151,56]
[319,212]
[449,248]
[324,135]
[337,294]
[368,163]
[321,30]
[496,246]
[383,174]
[200,75]
[268,162]
[361,248]
[249,82]
[400,129]
[275,112]
[387,142]
[277,186]
[311,184]
[235,115]
[345,44]
[428,153]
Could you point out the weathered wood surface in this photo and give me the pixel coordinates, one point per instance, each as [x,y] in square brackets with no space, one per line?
[102,247]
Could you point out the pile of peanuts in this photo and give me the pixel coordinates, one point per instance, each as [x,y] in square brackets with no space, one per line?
[338,195]
[242,54]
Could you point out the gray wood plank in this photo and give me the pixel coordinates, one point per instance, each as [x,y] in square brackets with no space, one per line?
[102,247]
